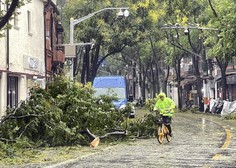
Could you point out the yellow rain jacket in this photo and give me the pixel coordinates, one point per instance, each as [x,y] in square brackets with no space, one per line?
[165,106]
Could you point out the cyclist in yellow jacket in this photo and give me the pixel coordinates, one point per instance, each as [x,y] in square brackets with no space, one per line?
[166,107]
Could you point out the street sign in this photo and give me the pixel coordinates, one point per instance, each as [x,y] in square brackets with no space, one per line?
[70,51]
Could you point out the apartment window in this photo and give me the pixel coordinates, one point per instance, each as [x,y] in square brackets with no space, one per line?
[16,18]
[59,38]
[12,91]
[51,31]
[2,7]
[29,18]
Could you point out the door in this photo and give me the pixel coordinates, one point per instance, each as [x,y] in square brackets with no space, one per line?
[12,91]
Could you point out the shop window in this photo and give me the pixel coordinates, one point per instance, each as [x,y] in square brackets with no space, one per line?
[12,91]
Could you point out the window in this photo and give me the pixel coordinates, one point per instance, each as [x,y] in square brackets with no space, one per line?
[59,38]
[2,7]
[12,91]
[16,18]
[51,31]
[120,93]
[29,17]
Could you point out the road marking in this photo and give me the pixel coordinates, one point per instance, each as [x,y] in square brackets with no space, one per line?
[228,139]
[225,145]
[216,157]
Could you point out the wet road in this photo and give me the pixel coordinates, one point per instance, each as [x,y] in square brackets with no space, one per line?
[199,140]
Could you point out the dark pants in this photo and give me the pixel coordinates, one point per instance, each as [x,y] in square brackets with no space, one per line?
[167,122]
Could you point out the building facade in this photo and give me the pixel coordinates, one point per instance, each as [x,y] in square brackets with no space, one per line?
[211,84]
[54,36]
[25,51]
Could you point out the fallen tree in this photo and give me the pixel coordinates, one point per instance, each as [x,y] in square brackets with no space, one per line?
[57,116]
[67,114]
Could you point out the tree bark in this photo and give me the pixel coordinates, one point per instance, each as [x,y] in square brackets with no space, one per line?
[223,65]
[178,72]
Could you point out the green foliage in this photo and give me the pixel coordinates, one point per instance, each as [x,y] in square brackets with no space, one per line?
[230,116]
[127,110]
[5,150]
[57,117]
[222,42]
[150,103]
[142,127]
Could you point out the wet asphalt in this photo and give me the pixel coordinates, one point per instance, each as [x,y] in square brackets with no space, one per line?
[199,140]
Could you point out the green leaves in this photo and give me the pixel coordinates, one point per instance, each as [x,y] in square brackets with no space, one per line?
[57,117]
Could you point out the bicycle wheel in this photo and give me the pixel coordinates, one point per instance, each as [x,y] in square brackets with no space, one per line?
[168,137]
[160,134]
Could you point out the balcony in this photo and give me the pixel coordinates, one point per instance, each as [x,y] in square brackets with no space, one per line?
[58,56]
[48,43]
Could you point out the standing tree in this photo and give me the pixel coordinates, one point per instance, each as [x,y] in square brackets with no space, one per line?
[110,32]
[222,45]
[188,15]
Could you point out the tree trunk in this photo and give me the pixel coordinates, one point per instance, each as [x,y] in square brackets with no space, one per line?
[165,82]
[94,59]
[152,81]
[198,84]
[83,72]
[87,62]
[178,72]
[224,85]
[223,67]
[143,90]
[134,79]
[156,79]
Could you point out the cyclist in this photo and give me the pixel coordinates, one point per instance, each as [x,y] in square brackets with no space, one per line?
[165,106]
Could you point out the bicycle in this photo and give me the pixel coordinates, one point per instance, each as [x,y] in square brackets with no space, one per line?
[162,131]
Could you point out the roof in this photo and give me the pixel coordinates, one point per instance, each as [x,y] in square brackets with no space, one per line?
[109,82]
[218,77]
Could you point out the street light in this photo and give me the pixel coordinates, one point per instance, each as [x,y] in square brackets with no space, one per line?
[73,21]
[186,32]
[202,56]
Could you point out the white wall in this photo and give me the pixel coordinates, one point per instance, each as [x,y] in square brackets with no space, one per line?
[22,43]
[23,47]
[3,93]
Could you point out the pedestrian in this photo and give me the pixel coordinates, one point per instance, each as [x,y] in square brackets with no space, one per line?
[165,106]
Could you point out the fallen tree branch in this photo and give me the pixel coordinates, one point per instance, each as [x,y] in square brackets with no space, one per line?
[7,140]
[24,116]
[11,115]
[96,139]
[25,128]
[114,133]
